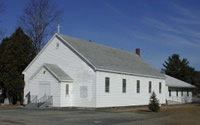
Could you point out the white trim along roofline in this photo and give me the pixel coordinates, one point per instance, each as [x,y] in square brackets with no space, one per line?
[39,53]
[126,73]
[51,72]
[77,52]
[46,67]
[80,55]
[84,59]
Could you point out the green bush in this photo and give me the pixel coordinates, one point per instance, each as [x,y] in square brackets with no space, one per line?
[154,103]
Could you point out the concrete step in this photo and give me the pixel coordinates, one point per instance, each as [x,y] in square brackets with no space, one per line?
[45,105]
[31,106]
[171,102]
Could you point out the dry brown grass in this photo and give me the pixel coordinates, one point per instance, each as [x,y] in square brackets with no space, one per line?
[181,108]
[176,115]
[5,107]
[188,114]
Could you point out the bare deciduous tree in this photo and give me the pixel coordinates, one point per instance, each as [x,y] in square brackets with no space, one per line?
[38,19]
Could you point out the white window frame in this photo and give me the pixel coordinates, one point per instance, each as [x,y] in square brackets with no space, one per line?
[107,84]
[123,85]
[138,86]
[150,86]
[160,87]
[67,89]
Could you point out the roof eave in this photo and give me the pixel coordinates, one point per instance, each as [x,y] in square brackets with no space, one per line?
[127,73]
[67,81]
[24,71]
[47,68]
[192,87]
[58,78]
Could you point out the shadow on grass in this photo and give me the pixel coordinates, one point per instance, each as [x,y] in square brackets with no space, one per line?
[197,103]
[143,111]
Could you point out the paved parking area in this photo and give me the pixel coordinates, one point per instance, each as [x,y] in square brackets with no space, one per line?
[170,115]
[69,117]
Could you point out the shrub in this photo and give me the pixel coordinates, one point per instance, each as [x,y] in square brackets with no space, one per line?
[154,103]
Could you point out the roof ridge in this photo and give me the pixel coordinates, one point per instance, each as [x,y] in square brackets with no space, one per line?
[111,59]
[94,42]
[117,49]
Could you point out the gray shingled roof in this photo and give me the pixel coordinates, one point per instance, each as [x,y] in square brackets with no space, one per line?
[107,58]
[176,83]
[57,72]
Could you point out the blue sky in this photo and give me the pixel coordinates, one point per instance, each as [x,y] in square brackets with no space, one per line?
[159,28]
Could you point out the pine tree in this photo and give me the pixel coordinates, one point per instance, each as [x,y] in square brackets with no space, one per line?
[17,52]
[154,103]
[174,66]
[180,69]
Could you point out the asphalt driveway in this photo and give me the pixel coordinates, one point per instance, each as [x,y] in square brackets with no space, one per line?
[169,115]
[70,117]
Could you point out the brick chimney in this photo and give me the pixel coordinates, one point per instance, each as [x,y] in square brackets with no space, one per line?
[137,51]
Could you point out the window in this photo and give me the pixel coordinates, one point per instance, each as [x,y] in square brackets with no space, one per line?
[67,89]
[170,93]
[107,84]
[150,87]
[181,92]
[138,86]
[160,87]
[124,85]
[176,92]
[187,93]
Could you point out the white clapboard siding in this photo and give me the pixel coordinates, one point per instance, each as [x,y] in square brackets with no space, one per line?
[46,77]
[76,68]
[116,98]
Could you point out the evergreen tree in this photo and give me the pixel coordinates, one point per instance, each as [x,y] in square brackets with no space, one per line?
[179,69]
[154,103]
[2,48]
[196,79]
[16,53]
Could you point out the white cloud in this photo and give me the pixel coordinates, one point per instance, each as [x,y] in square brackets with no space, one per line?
[160,25]
[114,9]
[176,40]
[182,30]
[184,12]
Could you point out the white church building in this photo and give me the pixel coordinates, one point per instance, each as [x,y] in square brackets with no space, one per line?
[69,72]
